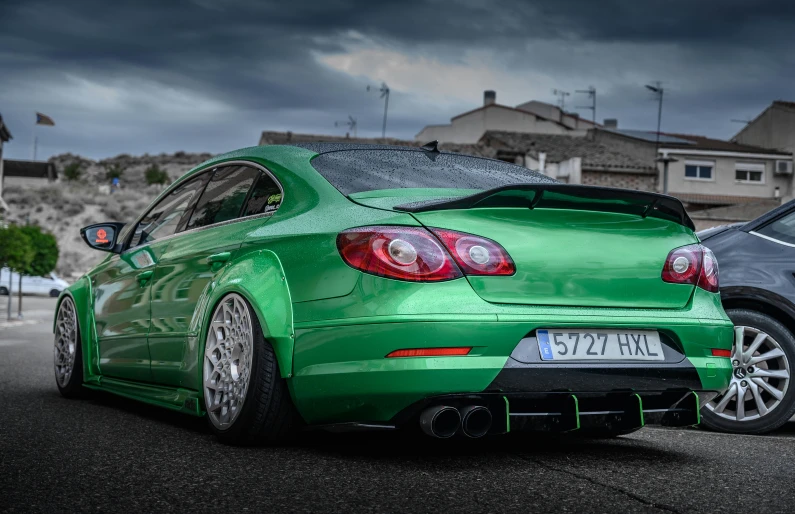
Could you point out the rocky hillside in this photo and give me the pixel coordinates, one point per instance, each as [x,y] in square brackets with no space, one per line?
[65,206]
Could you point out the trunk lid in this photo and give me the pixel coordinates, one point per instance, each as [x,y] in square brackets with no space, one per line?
[572,245]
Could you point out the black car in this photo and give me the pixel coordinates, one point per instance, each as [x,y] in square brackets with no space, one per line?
[757,287]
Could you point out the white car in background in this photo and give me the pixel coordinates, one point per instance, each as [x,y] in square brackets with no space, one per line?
[50,284]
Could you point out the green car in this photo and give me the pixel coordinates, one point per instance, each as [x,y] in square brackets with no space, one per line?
[351,287]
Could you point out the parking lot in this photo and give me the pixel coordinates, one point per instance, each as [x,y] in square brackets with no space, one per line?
[105,453]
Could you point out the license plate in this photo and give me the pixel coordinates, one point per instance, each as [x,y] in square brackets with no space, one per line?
[604,345]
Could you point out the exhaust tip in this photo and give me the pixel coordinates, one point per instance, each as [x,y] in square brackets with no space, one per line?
[441,421]
[475,421]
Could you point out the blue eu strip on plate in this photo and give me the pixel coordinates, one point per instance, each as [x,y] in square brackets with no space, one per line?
[543,345]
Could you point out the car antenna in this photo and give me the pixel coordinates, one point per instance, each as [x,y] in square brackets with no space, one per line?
[432,147]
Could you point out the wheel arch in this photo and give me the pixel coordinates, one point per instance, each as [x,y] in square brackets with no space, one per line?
[257,276]
[763,301]
[80,294]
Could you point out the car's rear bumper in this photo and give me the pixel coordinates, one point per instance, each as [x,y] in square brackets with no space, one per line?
[341,373]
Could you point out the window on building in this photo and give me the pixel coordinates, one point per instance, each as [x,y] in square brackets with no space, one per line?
[699,170]
[223,197]
[750,172]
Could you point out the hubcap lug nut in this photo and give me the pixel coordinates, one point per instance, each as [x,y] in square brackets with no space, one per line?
[735,363]
[750,369]
[744,383]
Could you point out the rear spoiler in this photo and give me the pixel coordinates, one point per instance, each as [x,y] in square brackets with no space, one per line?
[565,196]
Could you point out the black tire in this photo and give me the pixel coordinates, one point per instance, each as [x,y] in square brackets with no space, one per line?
[73,387]
[784,410]
[54,293]
[268,414]
[3,291]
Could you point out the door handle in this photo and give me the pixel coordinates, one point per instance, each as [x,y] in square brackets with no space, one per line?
[217,260]
[144,276]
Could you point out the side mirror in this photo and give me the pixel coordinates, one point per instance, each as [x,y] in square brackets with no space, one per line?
[102,236]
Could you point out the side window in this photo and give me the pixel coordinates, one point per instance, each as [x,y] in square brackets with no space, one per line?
[783,229]
[223,197]
[162,220]
[265,197]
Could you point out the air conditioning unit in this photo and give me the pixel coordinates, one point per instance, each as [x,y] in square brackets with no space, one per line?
[783,167]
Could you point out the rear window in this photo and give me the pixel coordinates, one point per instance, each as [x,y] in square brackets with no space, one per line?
[357,171]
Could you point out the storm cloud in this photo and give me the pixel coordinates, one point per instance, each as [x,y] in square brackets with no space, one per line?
[203,75]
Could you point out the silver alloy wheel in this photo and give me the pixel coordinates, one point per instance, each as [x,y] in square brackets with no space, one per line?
[228,355]
[65,342]
[760,377]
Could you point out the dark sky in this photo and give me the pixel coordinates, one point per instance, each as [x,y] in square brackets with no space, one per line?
[209,75]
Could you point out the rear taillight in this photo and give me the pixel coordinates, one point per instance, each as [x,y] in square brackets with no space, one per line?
[476,255]
[403,253]
[692,264]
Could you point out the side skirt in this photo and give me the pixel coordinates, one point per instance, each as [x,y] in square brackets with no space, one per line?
[182,400]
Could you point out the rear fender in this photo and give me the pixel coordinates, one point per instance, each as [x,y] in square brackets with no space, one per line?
[258,276]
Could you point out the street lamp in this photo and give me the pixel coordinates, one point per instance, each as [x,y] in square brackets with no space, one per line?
[384,90]
[658,90]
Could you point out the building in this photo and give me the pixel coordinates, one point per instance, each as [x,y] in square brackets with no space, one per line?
[709,172]
[5,136]
[530,117]
[573,159]
[285,138]
[28,173]
[773,128]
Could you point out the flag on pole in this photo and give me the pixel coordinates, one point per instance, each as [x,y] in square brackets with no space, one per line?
[42,119]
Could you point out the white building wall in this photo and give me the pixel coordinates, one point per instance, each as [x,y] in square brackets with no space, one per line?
[723,180]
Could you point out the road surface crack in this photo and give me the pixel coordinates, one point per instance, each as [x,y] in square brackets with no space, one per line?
[617,489]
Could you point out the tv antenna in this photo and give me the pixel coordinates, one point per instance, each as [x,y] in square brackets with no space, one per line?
[350,123]
[561,98]
[591,92]
[384,90]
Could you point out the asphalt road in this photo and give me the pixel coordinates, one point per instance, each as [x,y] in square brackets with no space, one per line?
[106,454]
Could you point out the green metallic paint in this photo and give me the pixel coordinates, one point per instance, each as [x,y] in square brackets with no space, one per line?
[331,326]
[575,258]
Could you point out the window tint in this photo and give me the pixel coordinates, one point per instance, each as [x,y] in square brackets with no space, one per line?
[355,171]
[782,229]
[265,197]
[162,220]
[223,197]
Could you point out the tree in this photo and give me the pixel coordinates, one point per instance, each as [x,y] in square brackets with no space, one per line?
[72,171]
[155,175]
[16,253]
[113,171]
[44,249]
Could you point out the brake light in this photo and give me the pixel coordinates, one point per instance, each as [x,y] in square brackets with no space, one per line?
[476,255]
[717,352]
[431,352]
[402,253]
[692,264]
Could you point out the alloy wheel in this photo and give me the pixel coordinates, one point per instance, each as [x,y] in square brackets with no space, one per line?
[228,356]
[65,342]
[760,377]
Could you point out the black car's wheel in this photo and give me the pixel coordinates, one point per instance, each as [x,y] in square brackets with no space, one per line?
[246,399]
[68,354]
[3,291]
[760,396]
[54,293]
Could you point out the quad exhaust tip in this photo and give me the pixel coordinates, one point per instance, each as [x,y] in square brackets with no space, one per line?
[475,421]
[440,421]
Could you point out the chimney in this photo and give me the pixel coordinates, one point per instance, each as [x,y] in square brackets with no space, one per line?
[610,123]
[489,97]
